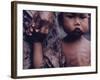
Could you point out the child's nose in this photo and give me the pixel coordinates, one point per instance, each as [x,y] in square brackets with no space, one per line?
[77,21]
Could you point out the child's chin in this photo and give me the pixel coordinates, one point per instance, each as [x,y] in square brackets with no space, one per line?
[73,36]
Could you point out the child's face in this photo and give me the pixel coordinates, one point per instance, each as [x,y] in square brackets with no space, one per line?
[76,20]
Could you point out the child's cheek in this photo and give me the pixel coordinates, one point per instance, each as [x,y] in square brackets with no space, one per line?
[85,27]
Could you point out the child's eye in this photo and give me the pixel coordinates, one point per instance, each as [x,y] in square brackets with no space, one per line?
[83,17]
[69,16]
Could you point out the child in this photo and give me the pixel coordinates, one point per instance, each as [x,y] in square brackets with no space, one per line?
[75,47]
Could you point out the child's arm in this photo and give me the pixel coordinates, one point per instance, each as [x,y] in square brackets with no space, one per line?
[37,55]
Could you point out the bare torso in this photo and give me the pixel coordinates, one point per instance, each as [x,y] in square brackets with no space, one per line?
[77,53]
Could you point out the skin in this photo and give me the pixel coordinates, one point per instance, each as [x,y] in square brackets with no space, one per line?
[76,53]
[72,21]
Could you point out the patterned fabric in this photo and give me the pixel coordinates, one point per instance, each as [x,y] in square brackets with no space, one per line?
[26,55]
[53,56]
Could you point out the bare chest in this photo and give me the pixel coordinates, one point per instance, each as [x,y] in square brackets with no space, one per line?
[76,54]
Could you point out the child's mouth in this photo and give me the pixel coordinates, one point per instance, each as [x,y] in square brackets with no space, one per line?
[73,36]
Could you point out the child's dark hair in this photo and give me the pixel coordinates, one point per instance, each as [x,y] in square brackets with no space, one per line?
[60,18]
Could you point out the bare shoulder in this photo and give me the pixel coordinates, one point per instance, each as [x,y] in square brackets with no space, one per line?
[85,43]
[85,40]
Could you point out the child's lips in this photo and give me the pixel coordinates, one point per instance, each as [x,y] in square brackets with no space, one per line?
[74,35]
[78,30]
